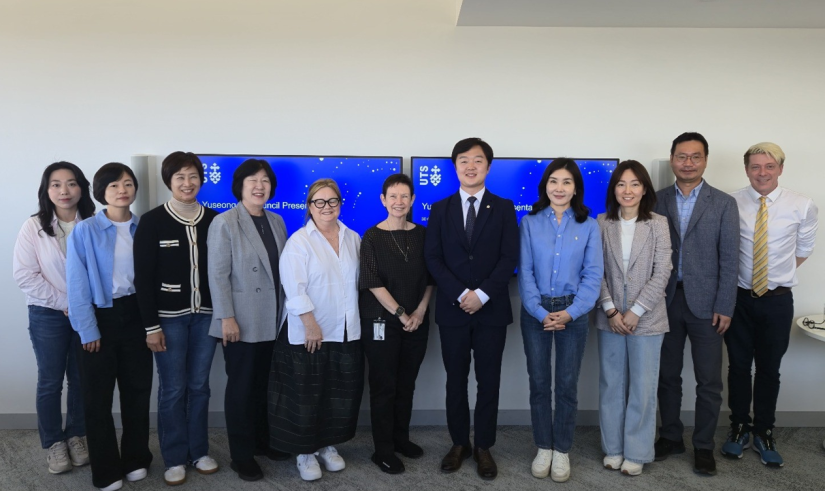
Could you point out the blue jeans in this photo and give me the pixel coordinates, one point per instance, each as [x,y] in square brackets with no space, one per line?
[183,388]
[628,379]
[554,431]
[55,343]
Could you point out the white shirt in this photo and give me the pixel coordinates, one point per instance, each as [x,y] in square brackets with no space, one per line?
[123,272]
[792,222]
[465,208]
[316,280]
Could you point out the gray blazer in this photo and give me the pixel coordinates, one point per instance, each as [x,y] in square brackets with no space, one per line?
[240,276]
[647,273]
[710,250]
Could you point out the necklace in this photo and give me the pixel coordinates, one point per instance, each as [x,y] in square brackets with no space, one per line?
[404,252]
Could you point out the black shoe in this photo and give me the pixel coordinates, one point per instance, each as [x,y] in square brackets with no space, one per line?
[457,454]
[486,468]
[664,447]
[388,463]
[704,463]
[248,470]
[273,454]
[409,449]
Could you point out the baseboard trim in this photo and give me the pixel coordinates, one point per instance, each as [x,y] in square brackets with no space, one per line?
[438,417]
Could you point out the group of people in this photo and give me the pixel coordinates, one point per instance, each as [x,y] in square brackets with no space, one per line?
[297,316]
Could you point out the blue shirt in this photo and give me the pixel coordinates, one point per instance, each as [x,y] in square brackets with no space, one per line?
[90,257]
[684,205]
[559,259]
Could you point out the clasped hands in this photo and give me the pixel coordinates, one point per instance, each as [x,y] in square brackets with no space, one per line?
[556,321]
[470,303]
[623,324]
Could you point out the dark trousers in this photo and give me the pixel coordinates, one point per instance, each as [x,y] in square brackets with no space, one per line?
[124,359]
[706,350]
[393,368]
[760,332]
[486,343]
[245,406]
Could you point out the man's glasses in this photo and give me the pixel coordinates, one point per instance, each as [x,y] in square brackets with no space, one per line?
[695,158]
[321,203]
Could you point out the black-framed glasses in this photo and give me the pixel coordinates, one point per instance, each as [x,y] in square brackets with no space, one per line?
[321,203]
[812,324]
[695,158]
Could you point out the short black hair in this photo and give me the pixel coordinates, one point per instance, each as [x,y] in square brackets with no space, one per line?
[648,201]
[577,202]
[397,179]
[466,144]
[176,161]
[250,167]
[688,137]
[108,174]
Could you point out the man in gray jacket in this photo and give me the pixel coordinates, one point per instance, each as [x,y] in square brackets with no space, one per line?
[701,294]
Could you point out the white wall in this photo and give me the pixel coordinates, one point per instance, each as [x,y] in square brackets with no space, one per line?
[96,81]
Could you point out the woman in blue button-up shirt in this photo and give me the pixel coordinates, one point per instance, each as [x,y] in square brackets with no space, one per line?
[560,273]
[103,310]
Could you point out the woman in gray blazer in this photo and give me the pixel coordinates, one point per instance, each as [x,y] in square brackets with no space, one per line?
[247,299]
[632,319]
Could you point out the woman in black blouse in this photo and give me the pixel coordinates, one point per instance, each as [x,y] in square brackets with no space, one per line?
[395,294]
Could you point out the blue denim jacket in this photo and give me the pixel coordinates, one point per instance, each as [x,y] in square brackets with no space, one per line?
[90,256]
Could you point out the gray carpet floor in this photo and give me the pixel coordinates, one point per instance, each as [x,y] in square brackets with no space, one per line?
[23,467]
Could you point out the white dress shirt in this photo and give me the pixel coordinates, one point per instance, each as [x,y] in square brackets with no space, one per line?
[316,280]
[465,208]
[792,222]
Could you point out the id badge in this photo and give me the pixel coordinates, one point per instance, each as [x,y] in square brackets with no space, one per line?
[378,326]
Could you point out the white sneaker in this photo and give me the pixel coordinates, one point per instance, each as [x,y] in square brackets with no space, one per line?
[631,468]
[613,462]
[560,470]
[541,464]
[332,461]
[205,465]
[308,467]
[114,486]
[78,451]
[175,475]
[58,458]
[137,475]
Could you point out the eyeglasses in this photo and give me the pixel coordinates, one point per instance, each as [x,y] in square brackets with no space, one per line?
[812,324]
[320,203]
[695,158]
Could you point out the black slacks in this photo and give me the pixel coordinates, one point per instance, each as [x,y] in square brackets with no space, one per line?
[759,332]
[124,359]
[393,368]
[245,401]
[706,350]
[486,345]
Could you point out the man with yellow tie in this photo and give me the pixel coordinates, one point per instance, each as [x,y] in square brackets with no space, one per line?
[777,234]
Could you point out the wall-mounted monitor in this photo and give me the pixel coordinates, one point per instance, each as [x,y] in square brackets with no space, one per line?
[512,178]
[360,180]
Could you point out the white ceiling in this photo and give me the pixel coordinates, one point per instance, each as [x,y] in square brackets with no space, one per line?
[644,13]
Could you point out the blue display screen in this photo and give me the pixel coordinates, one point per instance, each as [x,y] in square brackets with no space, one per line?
[511,178]
[359,178]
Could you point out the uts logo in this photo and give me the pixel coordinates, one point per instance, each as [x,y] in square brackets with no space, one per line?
[429,176]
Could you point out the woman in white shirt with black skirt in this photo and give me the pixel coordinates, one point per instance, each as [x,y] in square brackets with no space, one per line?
[317,372]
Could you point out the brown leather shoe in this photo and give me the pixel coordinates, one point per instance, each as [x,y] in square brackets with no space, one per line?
[487,468]
[457,454]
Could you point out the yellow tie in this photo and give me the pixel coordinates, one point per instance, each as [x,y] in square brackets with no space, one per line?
[760,250]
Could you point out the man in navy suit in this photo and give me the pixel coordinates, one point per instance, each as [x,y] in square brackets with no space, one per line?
[701,294]
[471,250]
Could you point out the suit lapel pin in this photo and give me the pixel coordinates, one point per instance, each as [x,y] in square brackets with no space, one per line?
[488,206]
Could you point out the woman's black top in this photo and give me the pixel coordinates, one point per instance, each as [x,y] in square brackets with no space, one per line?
[393,259]
[268,238]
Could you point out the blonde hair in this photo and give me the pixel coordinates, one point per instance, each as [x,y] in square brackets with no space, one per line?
[772,150]
[317,186]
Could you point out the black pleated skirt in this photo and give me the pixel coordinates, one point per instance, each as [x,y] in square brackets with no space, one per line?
[314,398]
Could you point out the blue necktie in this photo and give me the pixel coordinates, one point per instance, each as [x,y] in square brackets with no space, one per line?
[471,218]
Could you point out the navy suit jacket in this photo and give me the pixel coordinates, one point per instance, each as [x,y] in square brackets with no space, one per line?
[486,262]
[710,250]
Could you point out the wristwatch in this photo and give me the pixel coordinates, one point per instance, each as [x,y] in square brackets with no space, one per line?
[399,311]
